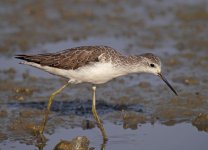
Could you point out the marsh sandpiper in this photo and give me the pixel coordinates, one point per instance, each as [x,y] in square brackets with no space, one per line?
[92,64]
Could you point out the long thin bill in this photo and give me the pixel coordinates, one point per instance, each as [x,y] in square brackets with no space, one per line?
[168,84]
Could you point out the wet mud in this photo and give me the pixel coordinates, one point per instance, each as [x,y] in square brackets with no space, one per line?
[176,31]
[78,143]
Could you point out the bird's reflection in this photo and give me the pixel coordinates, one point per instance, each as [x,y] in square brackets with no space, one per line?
[40,141]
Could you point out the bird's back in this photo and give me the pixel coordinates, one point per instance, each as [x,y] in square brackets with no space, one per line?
[71,59]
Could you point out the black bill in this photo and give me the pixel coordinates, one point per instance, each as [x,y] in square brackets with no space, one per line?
[168,84]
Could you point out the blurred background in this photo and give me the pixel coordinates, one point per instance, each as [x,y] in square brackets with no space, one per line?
[137,109]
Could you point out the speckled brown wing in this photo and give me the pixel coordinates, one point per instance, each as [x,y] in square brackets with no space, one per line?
[68,59]
[74,58]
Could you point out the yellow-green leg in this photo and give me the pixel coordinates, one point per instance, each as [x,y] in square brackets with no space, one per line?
[97,119]
[51,98]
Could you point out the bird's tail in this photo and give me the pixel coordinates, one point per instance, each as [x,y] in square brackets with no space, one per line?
[28,58]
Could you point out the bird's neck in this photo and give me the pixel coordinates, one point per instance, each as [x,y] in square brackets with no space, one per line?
[131,64]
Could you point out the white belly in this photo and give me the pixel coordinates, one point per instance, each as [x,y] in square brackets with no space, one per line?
[97,73]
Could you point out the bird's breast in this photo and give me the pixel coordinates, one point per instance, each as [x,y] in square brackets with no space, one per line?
[96,73]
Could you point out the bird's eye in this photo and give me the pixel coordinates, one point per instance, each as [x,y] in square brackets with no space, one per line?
[152,65]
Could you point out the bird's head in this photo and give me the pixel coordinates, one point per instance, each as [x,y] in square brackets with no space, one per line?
[152,64]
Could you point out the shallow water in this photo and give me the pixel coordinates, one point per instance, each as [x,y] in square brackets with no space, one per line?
[138,111]
[147,136]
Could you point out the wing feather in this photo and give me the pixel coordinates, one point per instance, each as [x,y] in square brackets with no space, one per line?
[69,59]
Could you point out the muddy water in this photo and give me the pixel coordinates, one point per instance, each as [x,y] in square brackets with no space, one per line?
[146,137]
[137,110]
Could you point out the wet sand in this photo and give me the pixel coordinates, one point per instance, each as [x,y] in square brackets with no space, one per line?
[134,108]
